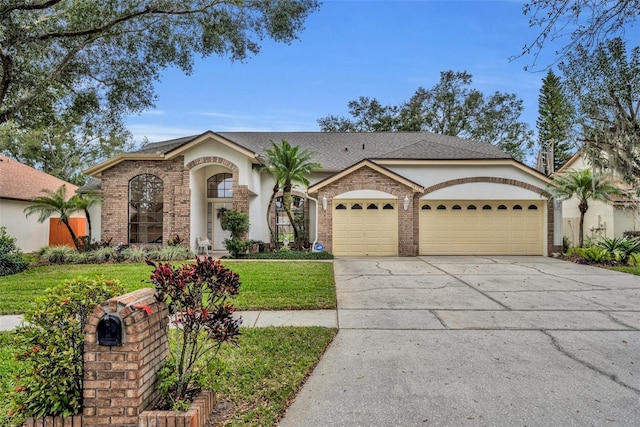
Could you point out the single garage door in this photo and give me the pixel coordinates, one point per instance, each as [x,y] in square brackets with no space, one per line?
[481,227]
[365,227]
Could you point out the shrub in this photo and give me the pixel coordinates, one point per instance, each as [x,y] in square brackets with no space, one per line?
[104,254]
[290,255]
[11,260]
[51,344]
[593,254]
[620,248]
[634,259]
[176,240]
[59,255]
[196,295]
[134,254]
[631,233]
[236,246]
[238,224]
[171,253]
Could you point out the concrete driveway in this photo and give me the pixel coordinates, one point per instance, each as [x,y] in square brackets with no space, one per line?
[477,341]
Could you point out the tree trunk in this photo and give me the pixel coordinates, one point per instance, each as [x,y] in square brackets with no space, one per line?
[272,232]
[71,232]
[582,207]
[286,200]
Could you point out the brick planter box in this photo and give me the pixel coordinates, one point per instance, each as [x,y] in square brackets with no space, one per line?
[196,416]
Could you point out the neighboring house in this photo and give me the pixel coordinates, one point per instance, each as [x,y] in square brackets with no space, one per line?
[601,219]
[18,184]
[377,194]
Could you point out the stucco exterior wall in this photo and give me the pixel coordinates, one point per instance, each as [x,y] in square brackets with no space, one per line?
[30,234]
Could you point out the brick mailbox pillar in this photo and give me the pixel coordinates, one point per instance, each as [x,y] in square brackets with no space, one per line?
[119,380]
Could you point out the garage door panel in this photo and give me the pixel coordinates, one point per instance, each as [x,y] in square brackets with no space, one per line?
[493,227]
[370,231]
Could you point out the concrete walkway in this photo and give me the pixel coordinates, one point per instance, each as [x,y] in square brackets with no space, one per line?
[477,341]
[250,319]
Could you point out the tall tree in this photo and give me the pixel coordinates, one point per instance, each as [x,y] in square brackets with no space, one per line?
[451,107]
[290,165]
[585,186]
[71,70]
[55,202]
[554,123]
[605,86]
[63,55]
[585,22]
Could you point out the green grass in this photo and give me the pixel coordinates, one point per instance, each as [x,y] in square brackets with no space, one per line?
[261,376]
[628,270]
[265,285]
[255,381]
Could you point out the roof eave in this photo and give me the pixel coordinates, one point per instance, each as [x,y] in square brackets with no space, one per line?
[96,171]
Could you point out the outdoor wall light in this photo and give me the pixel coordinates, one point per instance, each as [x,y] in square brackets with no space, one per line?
[324,202]
[406,202]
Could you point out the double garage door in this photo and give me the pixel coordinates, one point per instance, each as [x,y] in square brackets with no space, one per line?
[481,227]
[370,227]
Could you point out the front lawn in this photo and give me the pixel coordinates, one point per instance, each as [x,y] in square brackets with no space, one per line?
[256,381]
[628,270]
[266,285]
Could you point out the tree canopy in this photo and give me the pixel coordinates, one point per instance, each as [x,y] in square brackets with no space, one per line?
[451,107]
[605,87]
[71,70]
[585,22]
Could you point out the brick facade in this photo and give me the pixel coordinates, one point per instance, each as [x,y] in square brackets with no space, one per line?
[176,198]
[366,178]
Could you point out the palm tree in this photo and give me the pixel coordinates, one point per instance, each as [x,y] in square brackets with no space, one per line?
[289,165]
[83,202]
[585,186]
[269,170]
[55,202]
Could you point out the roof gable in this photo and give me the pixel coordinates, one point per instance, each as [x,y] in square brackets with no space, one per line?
[369,164]
[21,182]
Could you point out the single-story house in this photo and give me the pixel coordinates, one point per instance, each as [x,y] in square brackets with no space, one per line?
[18,184]
[602,219]
[376,194]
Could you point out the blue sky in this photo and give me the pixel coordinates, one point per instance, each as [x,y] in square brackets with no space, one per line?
[381,49]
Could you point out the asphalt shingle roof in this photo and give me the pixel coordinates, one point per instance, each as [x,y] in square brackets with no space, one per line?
[339,150]
[21,182]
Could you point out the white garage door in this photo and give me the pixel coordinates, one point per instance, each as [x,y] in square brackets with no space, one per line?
[481,227]
[365,227]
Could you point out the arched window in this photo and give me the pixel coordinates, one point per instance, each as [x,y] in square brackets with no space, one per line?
[502,208]
[456,208]
[356,206]
[441,208]
[486,208]
[517,208]
[387,207]
[533,208]
[145,209]
[340,207]
[372,206]
[219,186]
[471,207]
[426,207]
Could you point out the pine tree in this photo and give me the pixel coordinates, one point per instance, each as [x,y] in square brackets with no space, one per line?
[555,118]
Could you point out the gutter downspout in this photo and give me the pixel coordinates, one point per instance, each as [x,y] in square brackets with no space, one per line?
[313,245]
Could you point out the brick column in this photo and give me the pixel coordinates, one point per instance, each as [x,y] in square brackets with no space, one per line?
[119,381]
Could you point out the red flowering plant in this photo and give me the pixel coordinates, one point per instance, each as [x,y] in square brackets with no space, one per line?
[202,320]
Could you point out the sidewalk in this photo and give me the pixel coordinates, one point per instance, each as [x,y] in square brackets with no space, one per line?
[250,319]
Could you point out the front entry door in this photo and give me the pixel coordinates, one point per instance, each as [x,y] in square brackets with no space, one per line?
[217,234]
